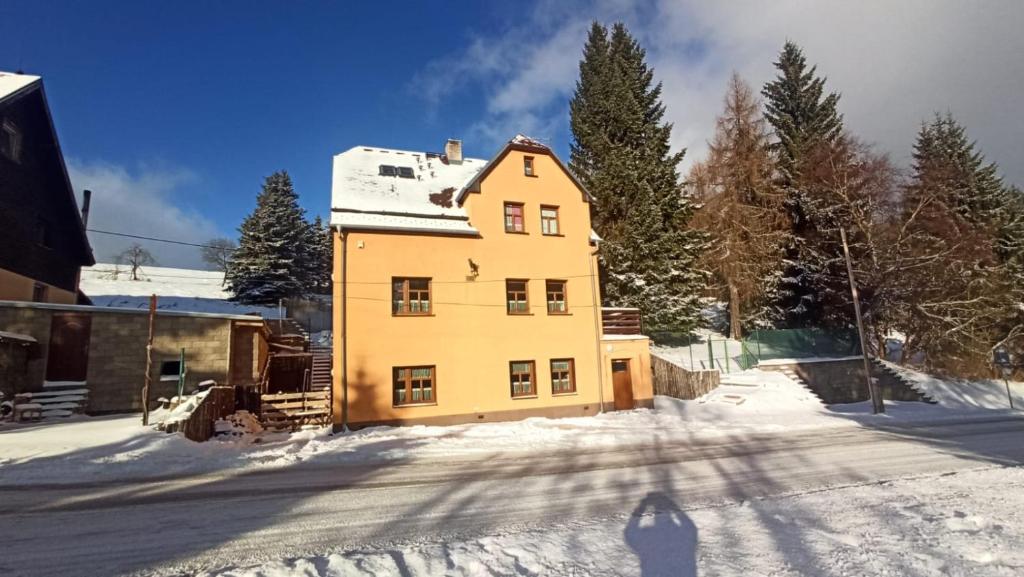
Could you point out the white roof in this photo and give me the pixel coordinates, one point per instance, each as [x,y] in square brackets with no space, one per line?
[363,198]
[11,82]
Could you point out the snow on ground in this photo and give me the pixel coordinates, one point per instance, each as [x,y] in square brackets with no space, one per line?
[99,448]
[965,524]
[177,289]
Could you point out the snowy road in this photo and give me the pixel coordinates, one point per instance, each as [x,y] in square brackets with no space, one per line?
[200,523]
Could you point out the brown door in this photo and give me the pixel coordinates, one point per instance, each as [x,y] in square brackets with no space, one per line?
[68,356]
[622,384]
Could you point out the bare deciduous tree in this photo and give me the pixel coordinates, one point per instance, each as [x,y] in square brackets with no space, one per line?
[217,253]
[136,257]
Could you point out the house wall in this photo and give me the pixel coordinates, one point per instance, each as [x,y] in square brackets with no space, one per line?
[117,351]
[469,337]
[637,351]
[16,287]
[40,229]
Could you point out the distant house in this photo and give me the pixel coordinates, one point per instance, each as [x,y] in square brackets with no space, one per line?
[465,290]
[43,244]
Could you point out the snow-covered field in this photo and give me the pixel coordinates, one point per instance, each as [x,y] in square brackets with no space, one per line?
[177,289]
[965,524]
[105,448]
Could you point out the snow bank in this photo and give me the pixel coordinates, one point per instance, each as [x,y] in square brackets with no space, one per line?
[752,402]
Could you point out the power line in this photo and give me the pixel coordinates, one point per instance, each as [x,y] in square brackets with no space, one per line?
[161,239]
[351,282]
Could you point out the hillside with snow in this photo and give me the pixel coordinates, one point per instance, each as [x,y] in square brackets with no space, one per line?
[177,289]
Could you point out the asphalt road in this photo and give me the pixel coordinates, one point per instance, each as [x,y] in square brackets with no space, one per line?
[180,526]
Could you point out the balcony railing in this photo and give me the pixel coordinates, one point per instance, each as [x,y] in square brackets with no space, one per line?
[619,321]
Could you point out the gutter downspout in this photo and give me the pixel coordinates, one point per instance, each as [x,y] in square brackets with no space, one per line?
[596,299]
[344,330]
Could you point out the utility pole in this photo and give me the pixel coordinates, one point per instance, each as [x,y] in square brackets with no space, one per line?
[149,361]
[877,405]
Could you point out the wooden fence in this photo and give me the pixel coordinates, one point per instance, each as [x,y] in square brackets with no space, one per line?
[293,410]
[218,403]
[674,381]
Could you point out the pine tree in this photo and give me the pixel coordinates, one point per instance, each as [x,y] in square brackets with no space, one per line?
[272,260]
[741,207]
[621,154]
[804,118]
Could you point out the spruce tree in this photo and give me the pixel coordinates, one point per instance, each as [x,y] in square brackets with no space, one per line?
[272,260]
[804,118]
[963,231]
[621,154]
[322,249]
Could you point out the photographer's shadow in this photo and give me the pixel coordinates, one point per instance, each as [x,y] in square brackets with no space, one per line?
[663,538]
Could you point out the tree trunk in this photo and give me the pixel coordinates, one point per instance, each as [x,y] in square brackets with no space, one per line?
[734,312]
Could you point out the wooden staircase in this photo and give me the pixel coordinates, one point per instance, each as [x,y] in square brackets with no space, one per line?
[292,404]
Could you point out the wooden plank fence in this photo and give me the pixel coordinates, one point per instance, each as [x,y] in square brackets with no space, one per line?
[674,381]
[292,410]
[218,403]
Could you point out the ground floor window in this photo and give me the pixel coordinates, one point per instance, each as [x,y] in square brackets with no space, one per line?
[414,385]
[563,376]
[516,297]
[521,377]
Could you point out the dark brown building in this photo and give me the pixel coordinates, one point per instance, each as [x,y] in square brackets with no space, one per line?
[43,244]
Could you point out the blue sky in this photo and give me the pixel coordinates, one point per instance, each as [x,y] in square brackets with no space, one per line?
[231,91]
[174,112]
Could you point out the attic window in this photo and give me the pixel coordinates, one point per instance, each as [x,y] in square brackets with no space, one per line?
[528,166]
[388,170]
[10,141]
[405,172]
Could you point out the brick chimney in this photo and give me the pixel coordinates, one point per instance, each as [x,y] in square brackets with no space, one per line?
[453,150]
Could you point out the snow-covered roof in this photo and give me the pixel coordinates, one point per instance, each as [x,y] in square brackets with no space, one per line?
[363,196]
[10,83]
[370,192]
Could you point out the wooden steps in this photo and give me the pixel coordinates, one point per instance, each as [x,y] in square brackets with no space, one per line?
[57,399]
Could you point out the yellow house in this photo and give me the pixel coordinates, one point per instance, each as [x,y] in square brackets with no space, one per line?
[466,291]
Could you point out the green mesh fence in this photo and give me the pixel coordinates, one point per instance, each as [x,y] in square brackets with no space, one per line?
[798,344]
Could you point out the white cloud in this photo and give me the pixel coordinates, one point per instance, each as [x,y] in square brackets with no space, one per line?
[141,202]
[895,64]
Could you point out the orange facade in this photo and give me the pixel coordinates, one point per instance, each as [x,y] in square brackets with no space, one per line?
[500,325]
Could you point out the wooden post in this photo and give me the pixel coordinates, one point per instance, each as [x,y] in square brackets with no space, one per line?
[877,405]
[149,361]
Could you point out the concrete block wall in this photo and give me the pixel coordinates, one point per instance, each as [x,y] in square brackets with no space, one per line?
[117,352]
[35,323]
[117,357]
[13,359]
